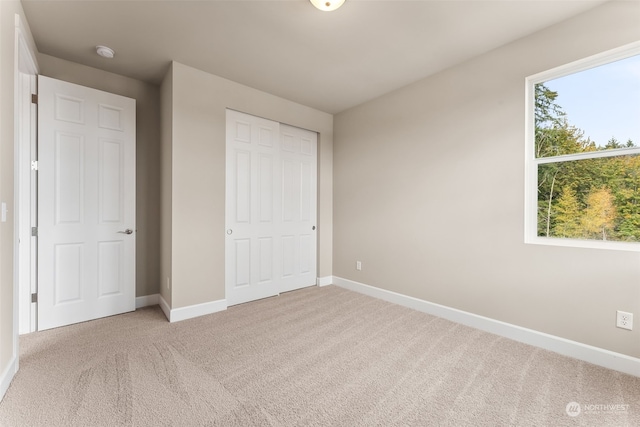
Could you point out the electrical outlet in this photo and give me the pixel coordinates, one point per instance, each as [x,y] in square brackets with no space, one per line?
[359,265]
[624,320]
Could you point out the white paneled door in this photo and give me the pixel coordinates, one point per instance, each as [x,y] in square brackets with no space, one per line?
[270,208]
[252,208]
[86,203]
[298,163]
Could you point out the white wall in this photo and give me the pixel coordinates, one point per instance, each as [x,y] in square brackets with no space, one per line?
[428,194]
[197,144]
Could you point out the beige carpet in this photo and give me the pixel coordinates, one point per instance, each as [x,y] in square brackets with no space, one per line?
[314,357]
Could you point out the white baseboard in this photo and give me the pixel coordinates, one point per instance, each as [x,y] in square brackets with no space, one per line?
[147,300]
[184,313]
[165,308]
[7,376]
[324,281]
[597,356]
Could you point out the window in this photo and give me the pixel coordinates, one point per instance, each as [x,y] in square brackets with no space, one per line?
[583,153]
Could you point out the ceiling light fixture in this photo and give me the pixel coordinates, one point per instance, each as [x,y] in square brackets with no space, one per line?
[327,5]
[105,52]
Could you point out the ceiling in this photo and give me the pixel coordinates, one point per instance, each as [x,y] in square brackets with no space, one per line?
[330,61]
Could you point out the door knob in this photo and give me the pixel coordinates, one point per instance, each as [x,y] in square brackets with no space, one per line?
[127,231]
[229,232]
[313,228]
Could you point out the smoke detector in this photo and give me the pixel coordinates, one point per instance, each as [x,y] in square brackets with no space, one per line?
[105,52]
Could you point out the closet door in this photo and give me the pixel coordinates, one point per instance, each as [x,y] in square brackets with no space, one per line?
[271,204]
[253,208]
[299,164]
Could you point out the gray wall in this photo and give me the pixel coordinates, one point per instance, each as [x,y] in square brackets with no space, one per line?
[429,185]
[166,112]
[197,145]
[147,98]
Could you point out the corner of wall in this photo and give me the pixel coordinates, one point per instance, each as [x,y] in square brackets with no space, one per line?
[166,187]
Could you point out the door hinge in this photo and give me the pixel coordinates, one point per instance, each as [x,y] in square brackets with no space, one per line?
[34,297]
[34,165]
[34,231]
[34,98]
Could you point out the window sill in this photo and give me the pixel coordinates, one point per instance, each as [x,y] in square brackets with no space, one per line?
[587,244]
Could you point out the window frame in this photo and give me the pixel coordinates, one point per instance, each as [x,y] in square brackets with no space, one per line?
[532,163]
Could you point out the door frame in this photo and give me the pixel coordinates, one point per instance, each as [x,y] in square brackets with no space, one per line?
[26,203]
[25,122]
